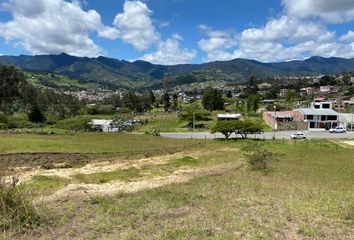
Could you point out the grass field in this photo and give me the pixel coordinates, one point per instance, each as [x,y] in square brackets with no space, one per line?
[201,190]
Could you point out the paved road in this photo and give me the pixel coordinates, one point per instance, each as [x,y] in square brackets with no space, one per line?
[267,135]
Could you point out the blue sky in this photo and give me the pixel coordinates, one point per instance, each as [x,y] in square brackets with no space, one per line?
[179,31]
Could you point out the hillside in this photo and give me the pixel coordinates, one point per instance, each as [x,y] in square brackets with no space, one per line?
[113,73]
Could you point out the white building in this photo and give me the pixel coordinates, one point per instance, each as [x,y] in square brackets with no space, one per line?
[103,125]
[228,117]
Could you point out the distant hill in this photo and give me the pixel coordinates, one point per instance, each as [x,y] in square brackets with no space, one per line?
[113,73]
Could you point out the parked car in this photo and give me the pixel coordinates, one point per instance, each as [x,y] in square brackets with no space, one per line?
[338,130]
[298,135]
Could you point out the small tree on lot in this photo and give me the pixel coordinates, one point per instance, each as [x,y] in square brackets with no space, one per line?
[238,127]
[224,127]
[36,115]
[258,158]
[212,99]
[194,114]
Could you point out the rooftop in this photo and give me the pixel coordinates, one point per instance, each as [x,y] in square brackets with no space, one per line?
[312,111]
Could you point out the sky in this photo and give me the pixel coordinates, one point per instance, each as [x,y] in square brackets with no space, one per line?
[179,31]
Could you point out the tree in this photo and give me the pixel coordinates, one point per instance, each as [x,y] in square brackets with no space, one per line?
[252,87]
[238,127]
[175,101]
[165,96]
[212,99]
[253,102]
[247,127]
[224,127]
[152,97]
[290,95]
[273,93]
[11,81]
[35,115]
[194,114]
[229,94]
[258,158]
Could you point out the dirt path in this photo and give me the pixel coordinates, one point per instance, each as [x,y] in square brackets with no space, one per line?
[113,165]
[112,188]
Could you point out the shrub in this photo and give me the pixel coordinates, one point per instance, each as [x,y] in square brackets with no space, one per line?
[258,158]
[78,123]
[16,210]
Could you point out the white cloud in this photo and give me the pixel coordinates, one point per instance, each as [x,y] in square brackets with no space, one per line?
[348,37]
[54,26]
[170,52]
[285,27]
[135,25]
[331,11]
[281,39]
[217,44]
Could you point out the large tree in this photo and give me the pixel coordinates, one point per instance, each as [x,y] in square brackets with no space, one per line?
[212,99]
[11,81]
[238,127]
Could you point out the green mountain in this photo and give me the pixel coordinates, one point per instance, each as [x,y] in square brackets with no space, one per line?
[113,73]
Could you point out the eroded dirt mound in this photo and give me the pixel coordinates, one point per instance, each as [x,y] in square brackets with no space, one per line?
[45,160]
[112,188]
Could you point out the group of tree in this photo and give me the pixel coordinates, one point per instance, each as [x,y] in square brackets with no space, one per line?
[212,99]
[194,114]
[17,95]
[243,128]
[134,102]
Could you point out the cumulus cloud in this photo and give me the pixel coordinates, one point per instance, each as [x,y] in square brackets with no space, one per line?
[328,10]
[300,32]
[54,26]
[170,52]
[135,25]
[348,37]
[217,44]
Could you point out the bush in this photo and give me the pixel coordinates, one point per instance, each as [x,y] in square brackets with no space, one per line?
[78,123]
[238,127]
[258,158]
[20,120]
[16,210]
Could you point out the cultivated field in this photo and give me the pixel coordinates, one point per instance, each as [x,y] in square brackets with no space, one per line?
[99,186]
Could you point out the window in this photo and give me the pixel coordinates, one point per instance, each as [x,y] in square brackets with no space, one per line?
[317,106]
[326,105]
[310,117]
[332,117]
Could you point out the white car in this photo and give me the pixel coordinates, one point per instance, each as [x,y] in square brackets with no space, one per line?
[298,135]
[338,130]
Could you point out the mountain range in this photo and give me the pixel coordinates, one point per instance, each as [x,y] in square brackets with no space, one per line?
[109,73]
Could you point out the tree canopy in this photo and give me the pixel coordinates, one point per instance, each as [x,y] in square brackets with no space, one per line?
[212,99]
[238,127]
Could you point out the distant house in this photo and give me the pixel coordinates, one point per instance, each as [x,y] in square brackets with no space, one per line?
[349,102]
[322,105]
[228,117]
[103,125]
[307,91]
[328,89]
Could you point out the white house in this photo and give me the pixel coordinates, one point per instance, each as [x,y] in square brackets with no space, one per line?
[228,117]
[103,125]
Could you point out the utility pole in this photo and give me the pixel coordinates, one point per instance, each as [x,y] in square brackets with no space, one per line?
[351,124]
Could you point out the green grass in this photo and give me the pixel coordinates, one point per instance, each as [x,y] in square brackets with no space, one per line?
[92,143]
[44,185]
[308,195]
[104,177]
